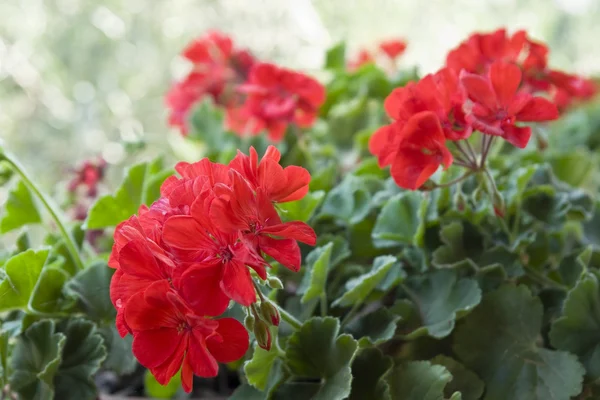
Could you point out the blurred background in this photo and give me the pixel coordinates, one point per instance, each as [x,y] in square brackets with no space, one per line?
[80,78]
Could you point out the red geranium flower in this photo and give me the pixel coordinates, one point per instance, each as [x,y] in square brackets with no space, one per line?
[498,104]
[392,48]
[279,184]
[210,247]
[255,217]
[168,335]
[277,97]
[420,152]
[440,94]
[217,69]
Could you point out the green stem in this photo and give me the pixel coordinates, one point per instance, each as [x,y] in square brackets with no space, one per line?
[450,183]
[289,318]
[323,301]
[543,279]
[49,205]
[350,314]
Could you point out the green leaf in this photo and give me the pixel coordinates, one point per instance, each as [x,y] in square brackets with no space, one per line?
[91,287]
[141,185]
[369,370]
[318,351]
[359,288]
[552,202]
[158,391]
[335,58]
[418,380]
[82,356]
[35,361]
[207,124]
[439,299]
[19,209]
[4,337]
[578,329]
[350,201]
[399,220]
[464,380]
[301,210]
[21,274]
[375,327]
[119,357]
[247,392]
[462,244]
[48,295]
[261,366]
[319,260]
[498,342]
[578,168]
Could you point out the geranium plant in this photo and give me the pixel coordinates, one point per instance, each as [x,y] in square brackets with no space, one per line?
[372,235]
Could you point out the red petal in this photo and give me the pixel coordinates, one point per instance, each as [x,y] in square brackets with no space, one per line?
[120,323]
[280,184]
[272,154]
[165,371]
[199,286]
[505,78]
[518,136]
[276,130]
[284,251]
[538,109]
[237,283]
[233,343]
[136,259]
[411,168]
[293,230]
[380,139]
[142,316]
[183,232]
[478,89]
[222,216]
[154,347]
[202,362]
[187,375]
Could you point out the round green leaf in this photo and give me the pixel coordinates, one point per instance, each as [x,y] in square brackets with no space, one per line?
[578,329]
[369,370]
[418,380]
[498,342]
[318,351]
[439,298]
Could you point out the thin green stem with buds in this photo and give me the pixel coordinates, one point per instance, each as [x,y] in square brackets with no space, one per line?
[289,318]
[49,205]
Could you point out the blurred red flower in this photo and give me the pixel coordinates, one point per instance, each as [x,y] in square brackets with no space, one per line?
[275,98]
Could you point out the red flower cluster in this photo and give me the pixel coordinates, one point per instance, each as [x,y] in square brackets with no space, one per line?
[276,97]
[180,262]
[390,50]
[256,96]
[488,85]
[217,68]
[480,50]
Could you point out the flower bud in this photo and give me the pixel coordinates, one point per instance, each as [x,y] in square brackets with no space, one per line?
[249,322]
[460,200]
[428,186]
[269,312]
[262,334]
[274,282]
[498,205]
